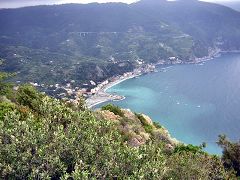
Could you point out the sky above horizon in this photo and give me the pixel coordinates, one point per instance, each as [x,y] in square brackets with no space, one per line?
[23,3]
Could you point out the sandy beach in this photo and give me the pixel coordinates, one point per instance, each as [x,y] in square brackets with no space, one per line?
[102,96]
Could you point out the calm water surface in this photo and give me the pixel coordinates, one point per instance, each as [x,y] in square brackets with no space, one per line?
[195,103]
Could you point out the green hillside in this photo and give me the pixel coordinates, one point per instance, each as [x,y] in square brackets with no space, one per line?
[64,43]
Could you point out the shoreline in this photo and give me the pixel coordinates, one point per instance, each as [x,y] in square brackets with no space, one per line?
[118,82]
[102,96]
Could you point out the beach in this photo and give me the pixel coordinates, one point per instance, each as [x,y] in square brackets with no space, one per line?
[102,96]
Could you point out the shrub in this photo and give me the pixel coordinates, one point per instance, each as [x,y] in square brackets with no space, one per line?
[231,153]
[188,148]
[5,107]
[28,96]
[157,125]
[43,138]
[148,127]
[40,147]
[114,109]
[188,165]
[5,88]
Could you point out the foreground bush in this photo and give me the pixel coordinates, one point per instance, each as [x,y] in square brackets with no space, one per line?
[114,109]
[231,153]
[44,138]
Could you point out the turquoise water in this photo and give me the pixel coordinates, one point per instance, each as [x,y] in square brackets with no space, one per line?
[195,103]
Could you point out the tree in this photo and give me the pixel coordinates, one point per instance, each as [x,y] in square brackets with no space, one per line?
[231,153]
[5,88]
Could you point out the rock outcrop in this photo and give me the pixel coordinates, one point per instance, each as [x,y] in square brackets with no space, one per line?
[137,129]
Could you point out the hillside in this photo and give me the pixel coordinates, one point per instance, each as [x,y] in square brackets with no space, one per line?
[45,138]
[74,43]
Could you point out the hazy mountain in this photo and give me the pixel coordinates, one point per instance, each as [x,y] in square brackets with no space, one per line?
[234,5]
[57,44]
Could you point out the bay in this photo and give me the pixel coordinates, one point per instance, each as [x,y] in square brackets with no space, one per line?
[195,102]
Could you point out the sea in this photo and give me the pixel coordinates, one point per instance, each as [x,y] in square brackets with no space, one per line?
[195,102]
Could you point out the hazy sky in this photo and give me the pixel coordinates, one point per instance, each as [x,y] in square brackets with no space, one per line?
[21,3]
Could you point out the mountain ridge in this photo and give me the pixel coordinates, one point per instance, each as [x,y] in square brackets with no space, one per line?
[64,43]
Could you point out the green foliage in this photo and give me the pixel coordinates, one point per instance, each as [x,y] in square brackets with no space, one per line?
[4,76]
[80,106]
[148,127]
[188,165]
[28,96]
[114,109]
[45,138]
[188,148]
[5,88]
[231,153]
[5,107]
[55,141]
[157,125]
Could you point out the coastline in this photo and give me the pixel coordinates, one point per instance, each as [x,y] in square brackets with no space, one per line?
[102,96]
